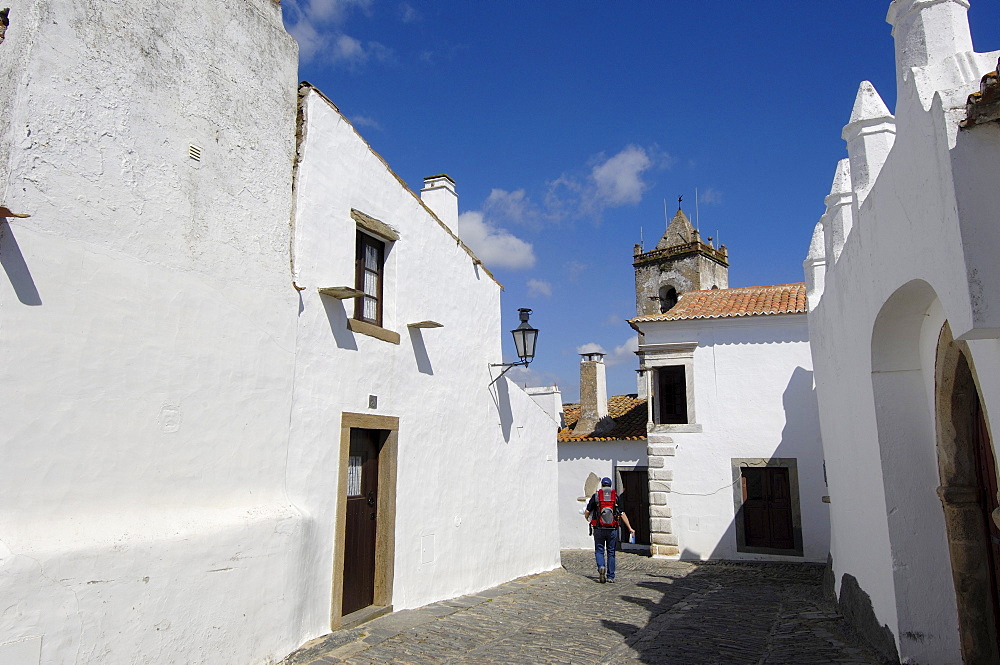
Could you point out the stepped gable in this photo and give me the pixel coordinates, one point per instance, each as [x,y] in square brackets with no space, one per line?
[628,412]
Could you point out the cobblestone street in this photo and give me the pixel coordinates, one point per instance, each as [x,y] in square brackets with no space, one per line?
[657,612]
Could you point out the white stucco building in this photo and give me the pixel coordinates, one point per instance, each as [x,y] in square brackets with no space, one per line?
[602,437]
[904,323]
[194,407]
[734,452]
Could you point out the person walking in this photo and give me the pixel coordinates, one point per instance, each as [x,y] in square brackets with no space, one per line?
[604,511]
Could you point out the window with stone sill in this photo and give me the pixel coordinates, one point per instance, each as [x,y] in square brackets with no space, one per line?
[369,277]
[671,396]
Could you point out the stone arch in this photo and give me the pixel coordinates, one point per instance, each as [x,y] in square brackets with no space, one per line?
[967,504]
[902,362]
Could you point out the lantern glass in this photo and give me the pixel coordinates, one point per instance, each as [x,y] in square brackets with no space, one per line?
[525,338]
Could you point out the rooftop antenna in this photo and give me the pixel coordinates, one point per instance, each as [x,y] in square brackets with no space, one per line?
[642,243]
[697,216]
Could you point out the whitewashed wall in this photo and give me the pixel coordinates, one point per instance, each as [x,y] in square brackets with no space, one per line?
[465,450]
[577,460]
[148,324]
[754,398]
[156,505]
[915,258]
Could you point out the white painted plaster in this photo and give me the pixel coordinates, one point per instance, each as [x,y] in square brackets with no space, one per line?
[577,460]
[752,380]
[464,448]
[172,403]
[916,257]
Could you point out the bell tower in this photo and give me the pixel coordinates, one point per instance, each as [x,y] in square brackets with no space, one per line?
[680,262]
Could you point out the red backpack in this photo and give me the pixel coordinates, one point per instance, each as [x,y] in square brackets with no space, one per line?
[606,515]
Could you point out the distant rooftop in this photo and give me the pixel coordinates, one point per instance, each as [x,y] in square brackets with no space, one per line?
[628,412]
[730,303]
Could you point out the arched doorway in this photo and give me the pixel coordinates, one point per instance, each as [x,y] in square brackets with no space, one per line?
[902,384]
[968,495]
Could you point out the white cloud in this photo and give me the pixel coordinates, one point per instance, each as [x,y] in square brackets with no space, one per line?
[618,180]
[366,121]
[710,196]
[318,27]
[612,182]
[537,287]
[407,13]
[624,353]
[590,347]
[496,247]
[513,207]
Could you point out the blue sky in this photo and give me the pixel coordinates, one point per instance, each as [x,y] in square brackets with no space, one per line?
[566,124]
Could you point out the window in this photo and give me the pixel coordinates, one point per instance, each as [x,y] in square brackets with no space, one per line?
[668,298]
[370,263]
[671,387]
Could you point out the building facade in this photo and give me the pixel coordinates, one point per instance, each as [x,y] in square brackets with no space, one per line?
[904,321]
[227,346]
[602,437]
[735,458]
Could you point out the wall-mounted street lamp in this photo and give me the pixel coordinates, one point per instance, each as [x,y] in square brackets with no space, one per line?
[525,338]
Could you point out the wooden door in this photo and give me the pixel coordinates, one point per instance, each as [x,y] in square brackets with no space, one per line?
[635,502]
[767,508]
[986,475]
[362,508]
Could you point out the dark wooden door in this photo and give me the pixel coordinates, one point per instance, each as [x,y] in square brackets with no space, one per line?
[635,502]
[767,508]
[362,508]
[986,475]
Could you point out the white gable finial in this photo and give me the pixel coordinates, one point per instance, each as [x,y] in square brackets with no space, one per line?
[839,218]
[870,135]
[928,31]
[815,266]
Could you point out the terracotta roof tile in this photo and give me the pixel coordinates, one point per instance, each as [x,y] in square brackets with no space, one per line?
[984,105]
[728,303]
[628,412]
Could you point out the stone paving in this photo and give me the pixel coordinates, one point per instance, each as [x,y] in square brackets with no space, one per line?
[658,612]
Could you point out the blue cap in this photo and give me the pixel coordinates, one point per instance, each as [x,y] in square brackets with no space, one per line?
[605,482]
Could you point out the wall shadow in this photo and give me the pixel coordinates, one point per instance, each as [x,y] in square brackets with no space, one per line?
[16,268]
[501,399]
[420,351]
[336,314]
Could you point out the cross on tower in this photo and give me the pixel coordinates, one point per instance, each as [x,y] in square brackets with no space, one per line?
[679,199]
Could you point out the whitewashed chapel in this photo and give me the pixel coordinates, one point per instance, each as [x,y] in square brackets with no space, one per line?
[718,454]
[904,323]
[734,453]
[239,409]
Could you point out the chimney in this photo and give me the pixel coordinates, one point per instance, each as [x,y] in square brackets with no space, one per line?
[440,196]
[593,396]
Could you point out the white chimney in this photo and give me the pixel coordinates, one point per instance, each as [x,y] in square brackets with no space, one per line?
[440,196]
[549,398]
[593,396]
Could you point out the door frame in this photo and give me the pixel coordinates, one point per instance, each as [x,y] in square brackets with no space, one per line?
[790,463]
[385,530]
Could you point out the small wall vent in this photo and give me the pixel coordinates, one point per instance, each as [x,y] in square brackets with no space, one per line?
[194,152]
